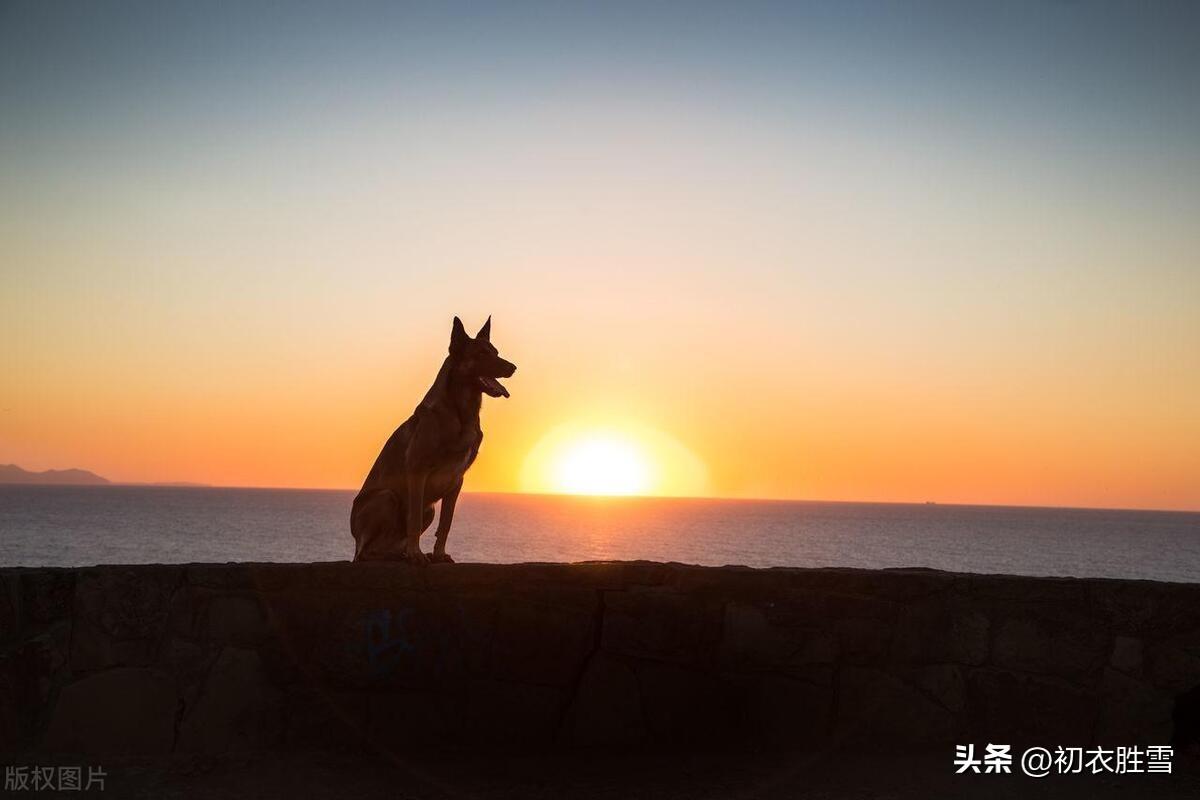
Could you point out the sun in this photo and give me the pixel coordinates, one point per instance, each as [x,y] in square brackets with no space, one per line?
[602,465]
[616,458]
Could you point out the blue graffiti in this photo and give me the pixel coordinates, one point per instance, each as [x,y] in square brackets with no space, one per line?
[387,639]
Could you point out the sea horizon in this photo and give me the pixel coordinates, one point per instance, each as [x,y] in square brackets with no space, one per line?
[124,524]
[602,497]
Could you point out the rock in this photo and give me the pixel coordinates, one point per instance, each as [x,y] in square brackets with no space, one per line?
[942,682]
[1174,668]
[1130,605]
[1126,655]
[377,642]
[47,595]
[367,575]
[15,715]
[126,711]
[120,616]
[544,641]
[10,621]
[884,712]
[863,641]
[659,624]
[231,658]
[236,619]
[902,584]
[248,577]
[188,663]
[783,712]
[686,706]
[1021,709]
[510,714]
[1071,650]
[1133,711]
[862,626]
[300,622]
[750,641]
[1006,590]
[607,707]
[949,631]
[236,710]
[316,716]
[1149,610]
[26,675]
[401,720]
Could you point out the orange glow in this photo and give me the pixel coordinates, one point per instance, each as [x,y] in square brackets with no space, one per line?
[602,466]
[612,460]
[862,421]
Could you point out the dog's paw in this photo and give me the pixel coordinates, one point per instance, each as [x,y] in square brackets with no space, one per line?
[440,558]
[416,558]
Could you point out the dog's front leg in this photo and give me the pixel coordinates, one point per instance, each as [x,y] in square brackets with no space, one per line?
[445,517]
[413,518]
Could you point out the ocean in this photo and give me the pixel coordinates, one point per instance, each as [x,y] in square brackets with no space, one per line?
[77,526]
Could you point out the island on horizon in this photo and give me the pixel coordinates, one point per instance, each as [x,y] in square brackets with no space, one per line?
[13,475]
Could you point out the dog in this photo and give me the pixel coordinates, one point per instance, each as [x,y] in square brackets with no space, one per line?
[425,460]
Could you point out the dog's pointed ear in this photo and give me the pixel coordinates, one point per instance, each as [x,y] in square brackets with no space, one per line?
[485,333]
[458,335]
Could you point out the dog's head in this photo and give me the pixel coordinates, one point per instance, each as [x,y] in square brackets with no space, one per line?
[477,360]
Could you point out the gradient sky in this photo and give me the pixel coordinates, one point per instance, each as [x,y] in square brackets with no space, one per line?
[877,251]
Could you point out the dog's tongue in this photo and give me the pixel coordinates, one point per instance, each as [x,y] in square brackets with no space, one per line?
[493,387]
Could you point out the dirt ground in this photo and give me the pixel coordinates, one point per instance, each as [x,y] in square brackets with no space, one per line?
[601,776]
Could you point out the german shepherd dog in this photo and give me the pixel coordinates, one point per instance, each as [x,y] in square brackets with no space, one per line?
[425,459]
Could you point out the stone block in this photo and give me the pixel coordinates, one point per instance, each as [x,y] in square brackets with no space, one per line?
[398,721]
[787,713]
[1133,711]
[237,708]
[880,710]
[300,622]
[1126,655]
[47,595]
[235,619]
[944,683]
[544,640]
[120,616]
[321,717]
[949,631]
[510,714]
[10,620]
[373,575]
[405,640]
[126,711]
[607,708]
[685,706]
[660,624]
[1023,709]
[27,676]
[1068,649]
[750,641]
[863,626]
[1174,668]
[248,577]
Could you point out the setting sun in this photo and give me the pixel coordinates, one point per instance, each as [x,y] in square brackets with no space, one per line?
[602,465]
[612,459]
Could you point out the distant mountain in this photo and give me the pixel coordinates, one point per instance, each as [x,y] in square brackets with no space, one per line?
[11,473]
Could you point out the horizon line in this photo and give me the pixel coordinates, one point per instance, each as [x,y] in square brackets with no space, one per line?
[725,498]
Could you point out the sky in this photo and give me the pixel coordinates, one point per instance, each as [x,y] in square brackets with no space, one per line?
[844,251]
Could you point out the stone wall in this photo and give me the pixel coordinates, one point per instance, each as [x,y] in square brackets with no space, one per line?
[221,658]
